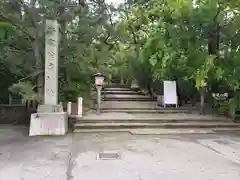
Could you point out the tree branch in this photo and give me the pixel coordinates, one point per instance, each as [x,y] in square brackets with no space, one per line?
[217,13]
[108,32]
[130,27]
[235,35]
[17,25]
[30,14]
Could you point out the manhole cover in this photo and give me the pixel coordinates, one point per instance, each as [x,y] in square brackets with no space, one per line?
[108,156]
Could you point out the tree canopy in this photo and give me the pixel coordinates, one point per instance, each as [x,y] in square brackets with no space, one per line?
[194,42]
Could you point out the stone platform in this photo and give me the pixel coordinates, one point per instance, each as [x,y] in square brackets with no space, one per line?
[115,122]
[124,109]
[49,120]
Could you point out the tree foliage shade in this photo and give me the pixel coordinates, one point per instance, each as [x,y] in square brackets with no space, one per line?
[151,41]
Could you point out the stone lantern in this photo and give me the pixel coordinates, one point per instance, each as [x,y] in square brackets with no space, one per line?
[99,82]
[99,79]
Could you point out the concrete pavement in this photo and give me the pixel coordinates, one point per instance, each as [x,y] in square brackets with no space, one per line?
[141,157]
[157,157]
[28,158]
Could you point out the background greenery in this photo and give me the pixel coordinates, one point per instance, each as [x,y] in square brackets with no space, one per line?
[193,42]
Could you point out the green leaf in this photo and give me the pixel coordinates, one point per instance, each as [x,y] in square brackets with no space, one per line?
[153,60]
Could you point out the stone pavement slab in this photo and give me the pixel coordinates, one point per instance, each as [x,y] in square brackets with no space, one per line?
[142,157]
[33,158]
[227,147]
[152,157]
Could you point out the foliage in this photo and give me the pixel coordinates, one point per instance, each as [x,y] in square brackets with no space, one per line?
[83,49]
[151,41]
[25,90]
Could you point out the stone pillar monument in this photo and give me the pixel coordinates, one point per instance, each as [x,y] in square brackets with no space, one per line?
[51,63]
[50,118]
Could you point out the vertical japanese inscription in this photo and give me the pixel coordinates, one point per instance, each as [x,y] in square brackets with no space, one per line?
[51,62]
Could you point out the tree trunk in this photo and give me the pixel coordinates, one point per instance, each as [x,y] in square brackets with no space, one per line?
[39,70]
[150,89]
[63,52]
[213,39]
[122,80]
[37,53]
[202,97]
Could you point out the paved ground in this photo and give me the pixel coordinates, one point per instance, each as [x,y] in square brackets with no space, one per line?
[142,157]
[33,158]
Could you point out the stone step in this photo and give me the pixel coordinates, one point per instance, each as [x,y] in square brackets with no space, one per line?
[142,105]
[126,96]
[153,107]
[129,104]
[160,131]
[130,99]
[117,89]
[152,116]
[148,121]
[155,125]
[156,110]
[123,92]
[114,85]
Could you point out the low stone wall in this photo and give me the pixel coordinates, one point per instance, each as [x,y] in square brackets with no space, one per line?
[15,114]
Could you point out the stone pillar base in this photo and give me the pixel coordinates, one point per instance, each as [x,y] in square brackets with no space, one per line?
[48,124]
[160,100]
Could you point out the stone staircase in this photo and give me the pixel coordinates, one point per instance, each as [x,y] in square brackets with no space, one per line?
[124,109]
